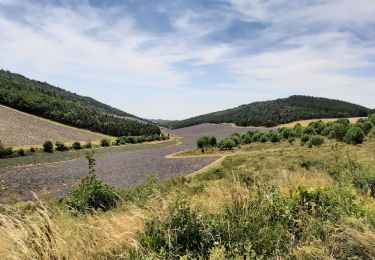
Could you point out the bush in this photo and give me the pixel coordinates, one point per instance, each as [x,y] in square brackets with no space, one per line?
[213,141]
[274,137]
[338,131]
[32,150]
[317,140]
[291,140]
[355,135]
[236,139]
[263,138]
[21,152]
[60,146]
[88,145]
[203,142]
[5,152]
[226,144]
[48,147]
[76,146]
[91,194]
[305,138]
[105,143]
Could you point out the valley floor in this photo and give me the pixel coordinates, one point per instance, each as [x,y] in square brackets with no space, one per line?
[123,166]
[276,201]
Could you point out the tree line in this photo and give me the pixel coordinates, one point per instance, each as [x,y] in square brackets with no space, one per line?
[280,111]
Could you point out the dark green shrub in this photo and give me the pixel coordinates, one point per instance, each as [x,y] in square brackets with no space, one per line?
[91,194]
[354,135]
[263,138]
[213,141]
[366,126]
[256,136]
[291,140]
[274,137]
[76,146]
[236,139]
[180,233]
[105,143]
[226,144]
[247,139]
[371,118]
[32,150]
[203,142]
[305,138]
[60,146]
[338,131]
[309,131]
[316,140]
[21,152]
[88,145]
[4,151]
[48,147]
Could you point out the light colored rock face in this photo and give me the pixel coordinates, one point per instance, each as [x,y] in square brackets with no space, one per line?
[21,129]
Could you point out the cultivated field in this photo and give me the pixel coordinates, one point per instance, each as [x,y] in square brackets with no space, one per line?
[122,166]
[18,129]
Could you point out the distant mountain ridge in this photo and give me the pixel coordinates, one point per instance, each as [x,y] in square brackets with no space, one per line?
[50,102]
[279,111]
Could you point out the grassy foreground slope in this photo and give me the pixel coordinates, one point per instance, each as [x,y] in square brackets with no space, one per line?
[266,201]
[280,111]
[53,103]
[19,129]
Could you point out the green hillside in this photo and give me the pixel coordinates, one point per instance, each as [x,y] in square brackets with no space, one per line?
[275,112]
[41,99]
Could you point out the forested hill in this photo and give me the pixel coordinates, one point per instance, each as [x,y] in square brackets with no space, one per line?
[272,113]
[41,99]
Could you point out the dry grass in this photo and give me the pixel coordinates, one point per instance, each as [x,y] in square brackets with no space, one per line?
[307,122]
[18,129]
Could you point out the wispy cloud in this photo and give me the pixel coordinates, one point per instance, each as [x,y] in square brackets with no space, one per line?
[182,58]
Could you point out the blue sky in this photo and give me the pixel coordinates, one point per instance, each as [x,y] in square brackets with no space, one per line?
[175,59]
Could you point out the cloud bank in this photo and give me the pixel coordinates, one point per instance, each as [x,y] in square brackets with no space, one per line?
[175,59]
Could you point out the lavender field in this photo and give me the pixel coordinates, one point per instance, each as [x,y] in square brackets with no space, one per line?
[122,166]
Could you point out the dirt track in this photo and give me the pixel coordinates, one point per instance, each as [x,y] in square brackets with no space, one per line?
[119,167]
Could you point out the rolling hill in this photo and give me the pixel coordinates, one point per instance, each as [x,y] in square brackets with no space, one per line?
[53,103]
[279,111]
[19,129]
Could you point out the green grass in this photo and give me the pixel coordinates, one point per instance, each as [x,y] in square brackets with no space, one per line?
[263,201]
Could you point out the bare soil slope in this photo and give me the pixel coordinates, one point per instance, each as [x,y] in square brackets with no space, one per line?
[21,129]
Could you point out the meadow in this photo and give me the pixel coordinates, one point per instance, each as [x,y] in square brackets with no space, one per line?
[262,200]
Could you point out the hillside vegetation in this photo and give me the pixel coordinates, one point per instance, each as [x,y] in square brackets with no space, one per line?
[280,111]
[41,99]
[271,200]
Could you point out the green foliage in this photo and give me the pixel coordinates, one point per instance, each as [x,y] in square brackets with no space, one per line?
[305,138]
[272,113]
[60,146]
[274,137]
[265,227]
[355,135]
[91,194]
[203,142]
[76,146]
[5,151]
[263,138]
[105,143]
[32,150]
[316,140]
[226,144]
[236,139]
[213,141]
[21,152]
[48,147]
[338,131]
[371,118]
[44,100]
[88,145]
[140,139]
[291,140]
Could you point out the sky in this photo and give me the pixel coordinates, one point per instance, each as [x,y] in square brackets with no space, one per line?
[175,59]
